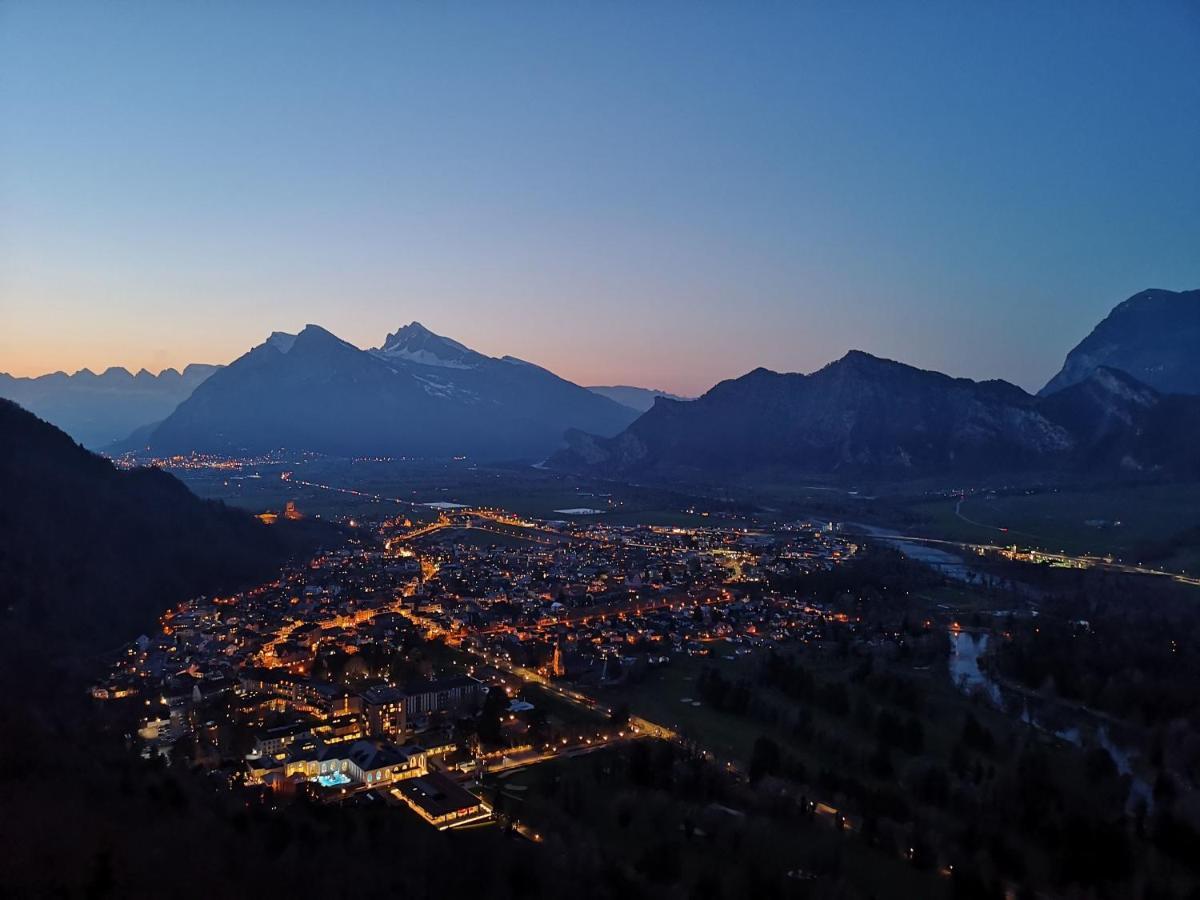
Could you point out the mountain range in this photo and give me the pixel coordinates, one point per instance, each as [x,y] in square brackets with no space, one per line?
[423,394]
[1126,401]
[1154,336]
[863,416]
[417,394]
[99,409]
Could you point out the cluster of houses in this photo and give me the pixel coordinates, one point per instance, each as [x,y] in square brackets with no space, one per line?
[241,678]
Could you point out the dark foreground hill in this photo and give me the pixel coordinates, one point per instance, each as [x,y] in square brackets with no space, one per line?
[90,555]
[865,417]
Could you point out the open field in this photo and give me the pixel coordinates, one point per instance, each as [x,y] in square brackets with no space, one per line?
[660,698]
[567,713]
[1121,520]
[385,488]
[1137,523]
[847,745]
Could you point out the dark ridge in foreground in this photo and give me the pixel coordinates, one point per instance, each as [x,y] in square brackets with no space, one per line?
[90,555]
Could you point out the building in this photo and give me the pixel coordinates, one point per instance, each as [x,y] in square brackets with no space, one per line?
[361,764]
[453,694]
[439,800]
[274,740]
[319,698]
[376,763]
[385,706]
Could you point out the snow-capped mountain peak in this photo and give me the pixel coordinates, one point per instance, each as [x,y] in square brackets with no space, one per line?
[281,341]
[416,343]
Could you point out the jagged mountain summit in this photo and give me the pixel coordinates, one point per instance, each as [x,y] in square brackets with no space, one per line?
[419,394]
[99,409]
[416,343]
[863,416]
[638,398]
[1154,336]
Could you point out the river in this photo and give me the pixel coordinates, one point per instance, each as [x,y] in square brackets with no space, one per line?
[1071,724]
[947,562]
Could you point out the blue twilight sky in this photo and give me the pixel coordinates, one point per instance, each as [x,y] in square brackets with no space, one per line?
[653,193]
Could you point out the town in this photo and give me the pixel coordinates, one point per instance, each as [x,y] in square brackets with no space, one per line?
[424,656]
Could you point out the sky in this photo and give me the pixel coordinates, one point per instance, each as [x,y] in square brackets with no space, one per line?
[663,194]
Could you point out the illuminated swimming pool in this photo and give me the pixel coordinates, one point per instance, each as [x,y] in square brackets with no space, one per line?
[333,779]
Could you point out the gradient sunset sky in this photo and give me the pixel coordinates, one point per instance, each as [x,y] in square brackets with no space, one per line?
[656,193]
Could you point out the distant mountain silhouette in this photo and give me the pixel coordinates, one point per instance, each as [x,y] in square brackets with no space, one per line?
[868,417]
[638,398]
[90,555]
[99,409]
[417,395]
[1154,336]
